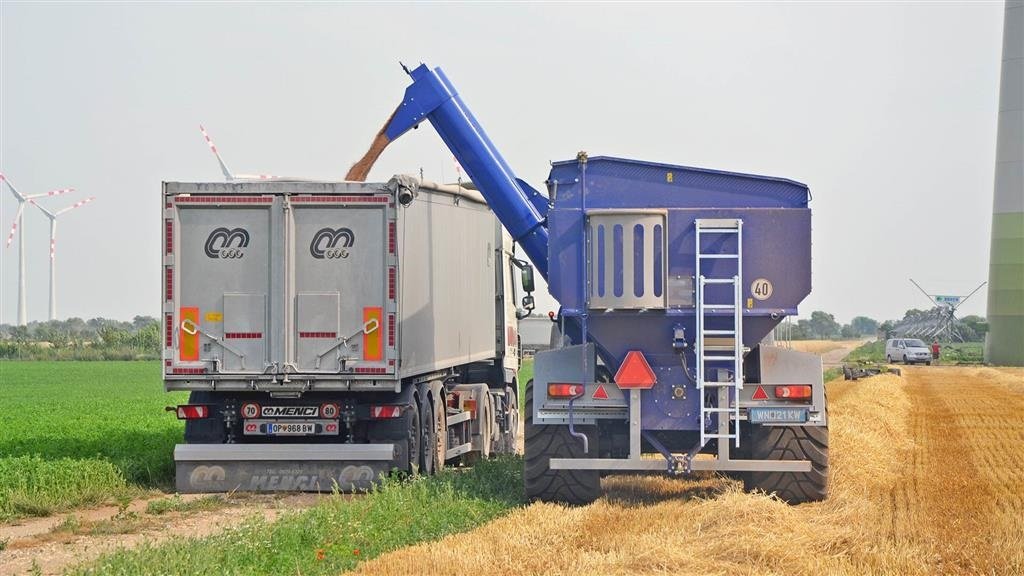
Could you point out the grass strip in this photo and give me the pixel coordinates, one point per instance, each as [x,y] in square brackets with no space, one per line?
[339,533]
[34,486]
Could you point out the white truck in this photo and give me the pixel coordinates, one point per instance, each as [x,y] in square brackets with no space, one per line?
[330,332]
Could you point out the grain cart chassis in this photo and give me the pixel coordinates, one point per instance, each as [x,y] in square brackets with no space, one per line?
[668,278]
[330,332]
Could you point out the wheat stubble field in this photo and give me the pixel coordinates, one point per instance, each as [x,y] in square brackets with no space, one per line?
[927,478]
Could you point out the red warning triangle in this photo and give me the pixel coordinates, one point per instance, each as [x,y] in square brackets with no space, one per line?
[759,394]
[635,372]
[600,393]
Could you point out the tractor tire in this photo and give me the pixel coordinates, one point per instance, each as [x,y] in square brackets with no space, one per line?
[208,430]
[790,443]
[572,487]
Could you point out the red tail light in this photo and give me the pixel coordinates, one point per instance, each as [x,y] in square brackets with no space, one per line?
[193,412]
[565,390]
[792,392]
[381,412]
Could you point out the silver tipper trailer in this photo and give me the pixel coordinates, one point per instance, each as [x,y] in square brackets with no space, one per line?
[330,332]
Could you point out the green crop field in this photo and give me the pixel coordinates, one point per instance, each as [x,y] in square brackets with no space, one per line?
[75,433]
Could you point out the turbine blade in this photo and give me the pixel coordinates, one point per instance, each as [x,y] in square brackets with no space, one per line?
[14,226]
[78,204]
[11,186]
[213,148]
[256,177]
[56,192]
[49,214]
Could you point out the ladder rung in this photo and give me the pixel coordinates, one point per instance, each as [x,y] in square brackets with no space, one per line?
[717,230]
[720,410]
[719,435]
[718,255]
[720,332]
[719,280]
[719,385]
[713,348]
[718,307]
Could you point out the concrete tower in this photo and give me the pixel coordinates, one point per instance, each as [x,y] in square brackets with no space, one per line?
[1005,343]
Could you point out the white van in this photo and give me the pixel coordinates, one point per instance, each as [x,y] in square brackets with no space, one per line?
[907,350]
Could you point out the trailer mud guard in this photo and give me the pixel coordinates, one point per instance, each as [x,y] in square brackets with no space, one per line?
[280,467]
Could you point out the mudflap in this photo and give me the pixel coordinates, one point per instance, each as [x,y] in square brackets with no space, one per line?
[267,468]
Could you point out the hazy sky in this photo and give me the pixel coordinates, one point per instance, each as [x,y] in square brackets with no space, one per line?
[887,111]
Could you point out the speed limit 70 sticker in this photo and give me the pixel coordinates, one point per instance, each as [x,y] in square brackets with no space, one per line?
[761,289]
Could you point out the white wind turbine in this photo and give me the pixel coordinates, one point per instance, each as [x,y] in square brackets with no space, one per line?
[19,227]
[53,247]
[224,167]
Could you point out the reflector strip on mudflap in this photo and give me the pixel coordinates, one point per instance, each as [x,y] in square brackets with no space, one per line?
[373,349]
[188,334]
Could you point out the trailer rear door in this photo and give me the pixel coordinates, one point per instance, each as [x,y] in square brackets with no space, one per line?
[344,275]
[219,260]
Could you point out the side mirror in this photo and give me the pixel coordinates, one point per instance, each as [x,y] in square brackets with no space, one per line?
[528,285]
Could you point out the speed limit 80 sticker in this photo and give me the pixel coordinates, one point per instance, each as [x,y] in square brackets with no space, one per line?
[761,289]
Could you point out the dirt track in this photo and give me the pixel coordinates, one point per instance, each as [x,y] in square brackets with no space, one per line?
[927,478]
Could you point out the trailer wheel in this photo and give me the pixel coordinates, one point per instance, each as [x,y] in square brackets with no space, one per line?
[790,443]
[573,487]
[433,435]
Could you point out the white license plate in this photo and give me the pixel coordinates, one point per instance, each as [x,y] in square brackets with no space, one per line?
[766,415]
[291,428]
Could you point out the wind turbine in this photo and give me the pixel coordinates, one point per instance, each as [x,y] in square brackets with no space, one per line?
[224,167]
[53,247]
[19,227]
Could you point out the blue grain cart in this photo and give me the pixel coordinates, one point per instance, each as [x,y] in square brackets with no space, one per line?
[669,279]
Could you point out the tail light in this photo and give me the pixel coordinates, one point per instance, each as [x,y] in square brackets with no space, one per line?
[793,392]
[193,412]
[565,390]
[382,412]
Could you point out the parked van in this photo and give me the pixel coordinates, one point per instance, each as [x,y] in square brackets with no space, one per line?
[907,350]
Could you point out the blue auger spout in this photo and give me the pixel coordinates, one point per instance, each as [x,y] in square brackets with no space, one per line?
[520,208]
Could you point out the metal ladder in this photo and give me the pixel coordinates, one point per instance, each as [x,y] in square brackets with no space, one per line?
[727,405]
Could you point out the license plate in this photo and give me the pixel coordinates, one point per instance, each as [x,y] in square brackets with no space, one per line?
[291,428]
[773,415]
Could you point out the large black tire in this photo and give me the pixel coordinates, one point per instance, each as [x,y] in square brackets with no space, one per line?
[433,435]
[208,430]
[542,443]
[790,443]
[404,433]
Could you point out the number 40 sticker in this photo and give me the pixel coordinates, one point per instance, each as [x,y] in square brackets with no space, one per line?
[761,289]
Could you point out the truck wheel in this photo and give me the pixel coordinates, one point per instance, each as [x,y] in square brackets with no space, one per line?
[573,487]
[512,422]
[208,430]
[433,436]
[790,443]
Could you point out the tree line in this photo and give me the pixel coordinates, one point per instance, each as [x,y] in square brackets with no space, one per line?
[823,326]
[78,339]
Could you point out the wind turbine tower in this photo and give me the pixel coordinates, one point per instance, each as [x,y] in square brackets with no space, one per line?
[53,247]
[1005,342]
[19,227]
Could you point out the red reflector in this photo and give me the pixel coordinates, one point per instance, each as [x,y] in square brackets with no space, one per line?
[600,393]
[565,390]
[378,412]
[193,412]
[792,391]
[469,406]
[635,372]
[759,394]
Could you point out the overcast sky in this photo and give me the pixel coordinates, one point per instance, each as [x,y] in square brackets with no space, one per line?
[886,110]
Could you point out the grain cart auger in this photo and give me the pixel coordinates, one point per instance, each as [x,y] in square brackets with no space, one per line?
[668,278]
